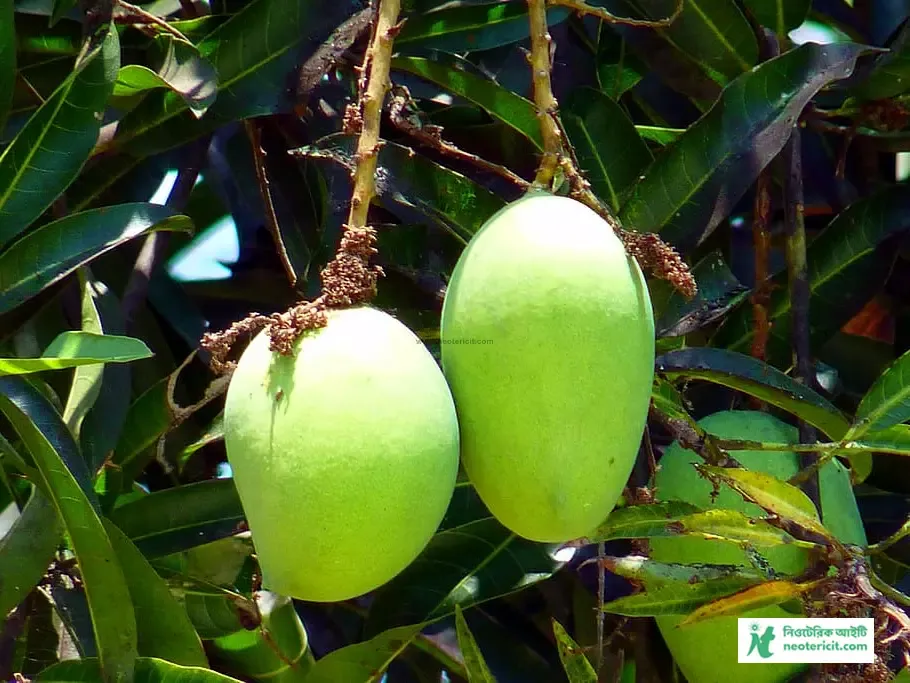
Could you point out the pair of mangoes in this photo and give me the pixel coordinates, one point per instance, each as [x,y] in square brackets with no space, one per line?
[345,455]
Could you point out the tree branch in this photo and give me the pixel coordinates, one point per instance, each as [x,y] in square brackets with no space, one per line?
[541,60]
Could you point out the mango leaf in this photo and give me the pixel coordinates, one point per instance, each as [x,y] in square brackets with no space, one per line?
[753,377]
[888,74]
[49,151]
[113,619]
[27,549]
[252,52]
[754,597]
[659,134]
[734,526]
[577,667]
[183,71]
[641,521]
[365,661]
[846,266]
[675,599]
[668,400]
[7,58]
[471,559]
[75,349]
[455,202]
[87,380]
[163,627]
[694,184]
[471,27]
[50,253]
[182,517]
[643,569]
[608,148]
[148,670]
[887,402]
[777,497]
[502,104]
[780,16]
[474,663]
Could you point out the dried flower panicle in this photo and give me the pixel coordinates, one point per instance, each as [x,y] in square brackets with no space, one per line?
[660,259]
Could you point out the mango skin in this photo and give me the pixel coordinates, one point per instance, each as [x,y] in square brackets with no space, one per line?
[552,409]
[706,652]
[344,455]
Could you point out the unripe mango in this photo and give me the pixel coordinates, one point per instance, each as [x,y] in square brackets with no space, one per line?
[548,346]
[344,455]
[706,652]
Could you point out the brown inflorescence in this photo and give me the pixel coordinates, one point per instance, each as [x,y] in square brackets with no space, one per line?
[660,259]
[350,279]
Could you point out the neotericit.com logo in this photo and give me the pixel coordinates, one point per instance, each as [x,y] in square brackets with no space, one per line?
[806,641]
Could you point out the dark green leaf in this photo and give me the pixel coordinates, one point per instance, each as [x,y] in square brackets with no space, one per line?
[474,663]
[608,148]
[183,71]
[148,670]
[179,518]
[27,549]
[113,619]
[472,549]
[503,105]
[673,598]
[364,662]
[751,376]
[780,16]
[470,27]
[694,184]
[641,521]
[845,268]
[449,198]
[7,59]
[888,75]
[50,253]
[61,9]
[49,151]
[35,37]
[577,667]
[163,628]
[87,380]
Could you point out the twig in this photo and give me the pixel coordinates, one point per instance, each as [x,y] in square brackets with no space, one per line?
[133,14]
[431,136]
[798,280]
[254,134]
[761,238]
[155,245]
[581,7]
[541,60]
[601,615]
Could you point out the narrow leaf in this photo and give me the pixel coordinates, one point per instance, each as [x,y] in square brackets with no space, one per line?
[577,667]
[694,184]
[50,253]
[649,572]
[113,619]
[781,16]
[148,670]
[641,521]
[76,349]
[751,376]
[367,661]
[87,380]
[887,403]
[49,151]
[474,663]
[672,598]
[754,597]
[7,58]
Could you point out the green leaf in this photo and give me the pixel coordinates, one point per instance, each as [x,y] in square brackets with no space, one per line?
[694,184]
[50,150]
[365,661]
[87,380]
[113,619]
[845,269]
[7,58]
[780,16]
[76,349]
[887,403]
[503,105]
[148,670]
[608,148]
[755,378]
[182,517]
[642,569]
[27,549]
[184,71]
[50,253]
[253,53]
[474,663]
[675,599]
[470,27]
[888,74]
[455,202]
[472,559]
[163,627]
[641,521]
[577,667]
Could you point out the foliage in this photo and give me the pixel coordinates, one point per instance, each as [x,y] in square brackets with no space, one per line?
[123,550]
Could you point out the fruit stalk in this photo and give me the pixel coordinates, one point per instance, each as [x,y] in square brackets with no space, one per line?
[547,108]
